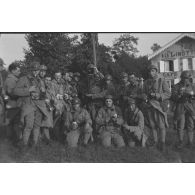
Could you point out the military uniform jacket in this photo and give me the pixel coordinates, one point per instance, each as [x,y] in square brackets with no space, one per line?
[160,87]
[80,116]
[136,121]
[104,119]
[9,85]
[22,90]
[182,106]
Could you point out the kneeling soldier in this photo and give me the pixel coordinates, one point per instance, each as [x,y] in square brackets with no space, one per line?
[78,123]
[134,125]
[109,120]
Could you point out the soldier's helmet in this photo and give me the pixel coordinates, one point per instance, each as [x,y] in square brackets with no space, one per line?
[76,100]
[131,101]
[108,77]
[109,97]
[124,74]
[43,67]
[34,66]
[152,66]
[186,75]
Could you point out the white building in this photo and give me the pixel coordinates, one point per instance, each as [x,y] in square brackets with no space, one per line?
[176,56]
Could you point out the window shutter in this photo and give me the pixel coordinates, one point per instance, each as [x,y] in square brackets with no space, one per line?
[176,64]
[193,63]
[162,66]
[185,64]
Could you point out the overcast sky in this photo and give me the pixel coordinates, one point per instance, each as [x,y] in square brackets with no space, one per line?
[11,45]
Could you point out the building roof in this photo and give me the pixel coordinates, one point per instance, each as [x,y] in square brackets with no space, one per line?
[190,35]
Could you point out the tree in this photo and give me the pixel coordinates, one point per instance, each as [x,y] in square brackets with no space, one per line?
[52,49]
[83,54]
[126,43]
[155,47]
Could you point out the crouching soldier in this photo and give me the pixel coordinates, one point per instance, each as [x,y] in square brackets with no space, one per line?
[78,123]
[109,121]
[184,113]
[134,125]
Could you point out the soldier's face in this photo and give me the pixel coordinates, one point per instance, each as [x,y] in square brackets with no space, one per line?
[47,80]
[42,73]
[108,81]
[58,77]
[76,106]
[16,72]
[125,79]
[109,103]
[132,107]
[35,73]
[153,73]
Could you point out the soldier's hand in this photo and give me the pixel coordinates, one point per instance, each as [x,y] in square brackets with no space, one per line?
[125,126]
[153,95]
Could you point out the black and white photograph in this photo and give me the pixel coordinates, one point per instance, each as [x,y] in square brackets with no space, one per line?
[92,97]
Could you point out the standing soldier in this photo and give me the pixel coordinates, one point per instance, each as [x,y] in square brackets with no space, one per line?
[58,89]
[12,106]
[2,94]
[78,123]
[134,125]
[108,86]
[47,123]
[109,121]
[184,113]
[28,88]
[94,79]
[123,91]
[156,92]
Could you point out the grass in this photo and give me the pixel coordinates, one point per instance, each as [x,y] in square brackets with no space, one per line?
[95,153]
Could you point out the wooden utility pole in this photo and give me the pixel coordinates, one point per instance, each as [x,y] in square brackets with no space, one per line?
[94,42]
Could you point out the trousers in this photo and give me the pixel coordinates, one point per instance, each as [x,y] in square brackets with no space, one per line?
[74,135]
[157,124]
[32,124]
[108,137]
[185,121]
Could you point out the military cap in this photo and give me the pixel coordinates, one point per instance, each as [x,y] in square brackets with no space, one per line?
[124,74]
[77,74]
[186,75]
[131,101]
[76,100]
[32,89]
[109,97]
[43,67]
[152,66]
[35,66]
[108,77]
[1,62]
[90,66]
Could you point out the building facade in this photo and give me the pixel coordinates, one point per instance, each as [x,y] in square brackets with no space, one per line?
[175,57]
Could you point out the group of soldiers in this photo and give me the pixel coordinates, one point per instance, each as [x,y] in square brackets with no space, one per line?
[76,109]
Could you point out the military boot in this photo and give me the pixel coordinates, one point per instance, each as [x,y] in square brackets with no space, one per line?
[180,145]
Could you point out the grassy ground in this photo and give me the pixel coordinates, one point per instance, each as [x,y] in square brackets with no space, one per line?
[57,152]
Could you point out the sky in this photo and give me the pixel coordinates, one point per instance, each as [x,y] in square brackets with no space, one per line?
[12,45]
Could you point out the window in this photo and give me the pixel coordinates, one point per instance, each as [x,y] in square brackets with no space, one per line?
[169,66]
[190,66]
